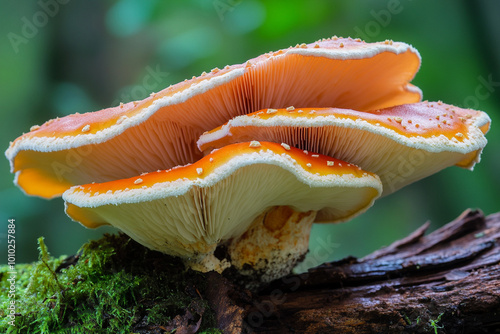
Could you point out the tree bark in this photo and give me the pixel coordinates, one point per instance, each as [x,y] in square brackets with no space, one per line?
[445,282]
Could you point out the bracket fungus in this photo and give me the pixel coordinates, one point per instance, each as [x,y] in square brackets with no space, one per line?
[257,183]
[434,134]
[188,211]
[161,131]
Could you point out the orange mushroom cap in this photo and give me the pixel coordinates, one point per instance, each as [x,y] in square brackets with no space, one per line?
[187,211]
[160,131]
[400,144]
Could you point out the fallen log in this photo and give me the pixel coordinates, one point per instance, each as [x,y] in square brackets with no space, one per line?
[444,282]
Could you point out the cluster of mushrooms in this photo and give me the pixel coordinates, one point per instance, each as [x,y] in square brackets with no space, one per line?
[249,156]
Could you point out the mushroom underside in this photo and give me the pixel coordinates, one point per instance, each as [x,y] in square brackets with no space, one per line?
[401,144]
[190,219]
[196,222]
[164,133]
[396,164]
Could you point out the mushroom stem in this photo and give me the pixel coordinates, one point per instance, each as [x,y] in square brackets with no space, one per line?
[274,243]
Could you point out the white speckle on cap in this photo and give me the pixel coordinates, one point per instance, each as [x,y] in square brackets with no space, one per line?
[121,119]
[285,146]
[254,143]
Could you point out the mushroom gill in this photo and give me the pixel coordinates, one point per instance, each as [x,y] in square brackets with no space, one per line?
[188,211]
[161,131]
[411,141]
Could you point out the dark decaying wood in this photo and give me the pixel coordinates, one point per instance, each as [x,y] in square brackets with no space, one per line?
[445,282]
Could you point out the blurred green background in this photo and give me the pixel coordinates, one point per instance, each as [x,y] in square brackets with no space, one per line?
[64,56]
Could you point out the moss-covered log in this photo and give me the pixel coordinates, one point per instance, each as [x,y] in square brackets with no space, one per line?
[113,285]
[445,282]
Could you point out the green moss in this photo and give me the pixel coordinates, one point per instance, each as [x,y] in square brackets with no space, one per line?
[433,323]
[113,285]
